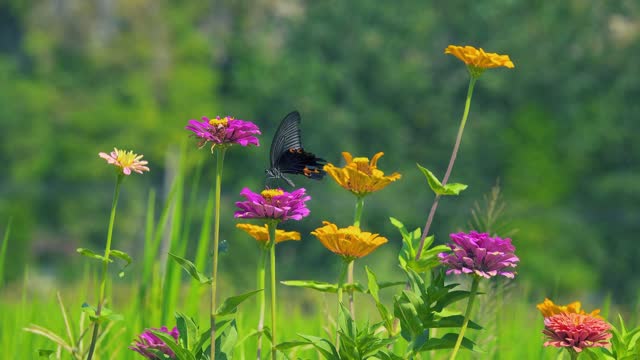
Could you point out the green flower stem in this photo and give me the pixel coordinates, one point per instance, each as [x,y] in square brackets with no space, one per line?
[356,223]
[272,249]
[574,355]
[219,151]
[467,315]
[346,264]
[452,160]
[105,264]
[358,214]
[262,296]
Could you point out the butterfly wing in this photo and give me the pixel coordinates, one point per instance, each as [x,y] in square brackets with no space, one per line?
[298,161]
[286,137]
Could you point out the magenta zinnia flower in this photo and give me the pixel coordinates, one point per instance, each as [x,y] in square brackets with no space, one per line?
[149,345]
[576,331]
[273,204]
[224,131]
[127,161]
[480,254]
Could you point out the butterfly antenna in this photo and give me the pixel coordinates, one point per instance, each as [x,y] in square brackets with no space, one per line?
[288,181]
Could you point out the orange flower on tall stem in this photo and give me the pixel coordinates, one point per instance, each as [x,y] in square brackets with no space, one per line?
[548,308]
[361,176]
[478,59]
[261,233]
[350,242]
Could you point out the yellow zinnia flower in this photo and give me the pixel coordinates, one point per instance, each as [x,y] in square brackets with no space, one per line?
[548,308]
[359,175]
[477,60]
[350,242]
[261,233]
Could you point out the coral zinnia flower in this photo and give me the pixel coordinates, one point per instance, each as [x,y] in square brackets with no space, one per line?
[273,204]
[127,161]
[147,341]
[576,331]
[480,254]
[478,58]
[350,242]
[548,308]
[261,233]
[227,131]
[359,175]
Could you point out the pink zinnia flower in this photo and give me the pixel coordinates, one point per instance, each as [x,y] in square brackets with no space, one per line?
[273,204]
[127,161]
[576,331]
[480,254]
[148,343]
[224,131]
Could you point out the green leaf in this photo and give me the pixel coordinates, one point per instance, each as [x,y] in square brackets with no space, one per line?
[325,347]
[181,353]
[450,298]
[252,333]
[405,309]
[453,321]
[312,284]
[374,289]
[324,286]
[230,305]
[448,341]
[191,269]
[437,187]
[291,345]
[122,256]
[398,224]
[44,353]
[44,332]
[188,330]
[106,314]
[228,341]
[90,254]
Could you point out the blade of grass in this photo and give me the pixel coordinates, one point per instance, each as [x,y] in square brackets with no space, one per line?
[63,311]
[171,290]
[3,251]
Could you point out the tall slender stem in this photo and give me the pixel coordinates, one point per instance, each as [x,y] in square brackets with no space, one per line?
[467,315]
[445,179]
[219,151]
[272,249]
[262,296]
[452,160]
[105,264]
[343,270]
[356,223]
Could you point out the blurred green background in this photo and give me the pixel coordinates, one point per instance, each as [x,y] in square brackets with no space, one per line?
[558,132]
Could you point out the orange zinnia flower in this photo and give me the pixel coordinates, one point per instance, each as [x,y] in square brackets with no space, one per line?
[261,233]
[548,308]
[477,60]
[349,242]
[359,175]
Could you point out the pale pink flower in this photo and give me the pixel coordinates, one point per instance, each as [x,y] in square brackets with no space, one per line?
[127,161]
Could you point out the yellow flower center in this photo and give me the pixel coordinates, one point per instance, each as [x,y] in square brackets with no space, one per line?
[220,122]
[126,158]
[362,164]
[270,193]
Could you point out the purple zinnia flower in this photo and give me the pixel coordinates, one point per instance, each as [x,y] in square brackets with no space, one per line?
[480,254]
[147,342]
[225,131]
[273,204]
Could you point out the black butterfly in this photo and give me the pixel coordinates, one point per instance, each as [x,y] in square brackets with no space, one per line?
[287,155]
